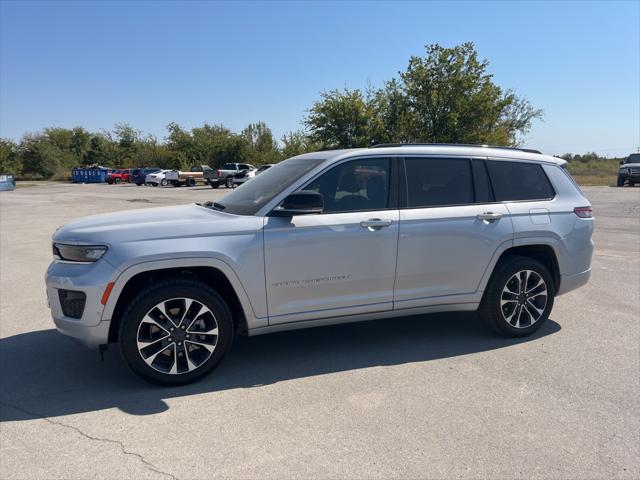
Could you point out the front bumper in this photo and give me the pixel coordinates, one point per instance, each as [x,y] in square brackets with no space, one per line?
[632,177]
[91,279]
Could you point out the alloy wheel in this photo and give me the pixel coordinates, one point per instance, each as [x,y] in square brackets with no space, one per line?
[177,336]
[524,298]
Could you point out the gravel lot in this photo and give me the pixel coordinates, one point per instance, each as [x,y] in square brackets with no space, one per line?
[434,396]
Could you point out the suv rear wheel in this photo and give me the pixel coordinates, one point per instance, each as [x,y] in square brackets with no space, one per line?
[519,297]
[175,332]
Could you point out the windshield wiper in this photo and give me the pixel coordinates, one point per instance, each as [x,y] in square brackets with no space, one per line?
[213,205]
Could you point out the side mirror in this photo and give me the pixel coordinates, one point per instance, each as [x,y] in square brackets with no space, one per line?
[304,202]
[621,162]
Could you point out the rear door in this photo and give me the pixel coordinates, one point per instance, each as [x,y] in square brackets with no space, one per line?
[450,228]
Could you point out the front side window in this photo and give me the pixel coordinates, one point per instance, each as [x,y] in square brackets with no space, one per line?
[229,166]
[354,186]
[433,182]
[514,181]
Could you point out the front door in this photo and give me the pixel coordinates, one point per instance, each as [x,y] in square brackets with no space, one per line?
[340,262]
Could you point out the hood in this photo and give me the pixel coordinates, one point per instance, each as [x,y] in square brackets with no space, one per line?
[630,165]
[152,224]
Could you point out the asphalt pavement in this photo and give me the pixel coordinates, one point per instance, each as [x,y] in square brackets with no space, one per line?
[435,396]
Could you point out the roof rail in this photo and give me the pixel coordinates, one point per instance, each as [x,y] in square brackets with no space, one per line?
[383,145]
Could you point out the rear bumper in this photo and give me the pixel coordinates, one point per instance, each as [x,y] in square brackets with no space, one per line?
[571,282]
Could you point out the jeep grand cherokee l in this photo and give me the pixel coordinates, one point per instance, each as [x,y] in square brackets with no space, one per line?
[324,238]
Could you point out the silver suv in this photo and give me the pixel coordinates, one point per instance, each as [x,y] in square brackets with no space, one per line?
[325,238]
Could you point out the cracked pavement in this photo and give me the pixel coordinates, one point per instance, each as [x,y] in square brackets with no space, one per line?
[434,396]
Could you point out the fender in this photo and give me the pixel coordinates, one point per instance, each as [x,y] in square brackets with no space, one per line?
[185,262]
[552,242]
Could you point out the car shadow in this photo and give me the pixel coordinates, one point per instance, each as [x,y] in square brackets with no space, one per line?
[44,374]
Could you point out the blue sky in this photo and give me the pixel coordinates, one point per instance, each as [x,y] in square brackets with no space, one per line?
[149,63]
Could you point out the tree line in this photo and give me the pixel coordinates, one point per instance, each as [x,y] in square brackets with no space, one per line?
[445,96]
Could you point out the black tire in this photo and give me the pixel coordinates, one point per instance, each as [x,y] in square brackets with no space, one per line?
[229,182]
[632,184]
[139,184]
[145,301]
[191,182]
[163,182]
[117,180]
[154,184]
[620,181]
[495,314]
[215,185]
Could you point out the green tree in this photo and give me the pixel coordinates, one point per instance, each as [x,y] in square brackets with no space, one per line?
[102,151]
[340,119]
[261,146]
[296,143]
[447,96]
[10,161]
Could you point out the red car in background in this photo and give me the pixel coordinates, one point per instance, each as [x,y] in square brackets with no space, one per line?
[119,176]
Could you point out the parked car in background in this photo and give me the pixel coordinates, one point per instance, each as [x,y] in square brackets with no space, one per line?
[323,238]
[119,176]
[7,182]
[178,178]
[263,168]
[244,176]
[629,171]
[157,178]
[139,175]
[225,175]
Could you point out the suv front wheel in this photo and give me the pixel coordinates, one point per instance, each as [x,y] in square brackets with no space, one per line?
[175,332]
[519,297]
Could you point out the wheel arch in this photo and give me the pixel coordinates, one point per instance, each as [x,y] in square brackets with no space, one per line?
[542,252]
[217,277]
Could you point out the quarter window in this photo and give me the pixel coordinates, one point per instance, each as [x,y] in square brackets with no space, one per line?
[514,181]
[354,186]
[433,182]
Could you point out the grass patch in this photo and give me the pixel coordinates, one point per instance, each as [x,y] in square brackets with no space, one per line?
[594,172]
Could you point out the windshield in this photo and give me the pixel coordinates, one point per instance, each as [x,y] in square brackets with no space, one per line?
[252,196]
[633,158]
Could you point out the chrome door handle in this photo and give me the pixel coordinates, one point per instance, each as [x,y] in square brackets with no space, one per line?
[489,216]
[375,224]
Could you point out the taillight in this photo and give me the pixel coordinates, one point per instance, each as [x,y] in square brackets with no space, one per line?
[583,212]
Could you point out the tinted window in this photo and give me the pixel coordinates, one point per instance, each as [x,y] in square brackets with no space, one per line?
[519,181]
[438,181]
[481,184]
[355,186]
[229,166]
[253,195]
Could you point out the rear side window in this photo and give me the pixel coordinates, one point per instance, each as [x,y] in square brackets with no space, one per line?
[433,182]
[514,181]
[229,166]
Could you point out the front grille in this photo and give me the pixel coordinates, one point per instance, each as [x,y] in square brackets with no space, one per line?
[72,303]
[635,171]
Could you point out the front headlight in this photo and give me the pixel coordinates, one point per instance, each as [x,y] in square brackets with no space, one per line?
[78,253]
